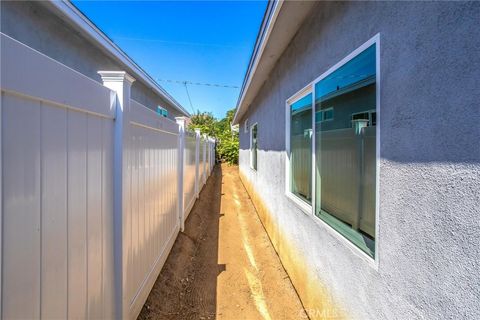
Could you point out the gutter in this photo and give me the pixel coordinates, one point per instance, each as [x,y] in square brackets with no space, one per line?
[271,14]
[78,19]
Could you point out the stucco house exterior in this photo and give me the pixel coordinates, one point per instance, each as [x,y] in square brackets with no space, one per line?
[360,147]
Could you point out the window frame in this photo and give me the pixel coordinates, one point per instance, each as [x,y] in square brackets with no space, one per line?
[254,125]
[301,203]
[161,111]
[310,209]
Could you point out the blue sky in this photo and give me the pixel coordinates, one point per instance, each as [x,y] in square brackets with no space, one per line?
[206,42]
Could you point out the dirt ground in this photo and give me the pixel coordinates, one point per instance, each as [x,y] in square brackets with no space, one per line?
[223,266]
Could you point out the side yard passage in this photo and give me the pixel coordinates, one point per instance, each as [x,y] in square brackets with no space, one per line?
[223,266]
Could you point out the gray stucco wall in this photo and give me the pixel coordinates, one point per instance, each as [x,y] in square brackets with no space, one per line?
[34,25]
[429,215]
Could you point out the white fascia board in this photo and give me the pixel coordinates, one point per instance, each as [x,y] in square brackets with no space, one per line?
[282,24]
[258,52]
[75,17]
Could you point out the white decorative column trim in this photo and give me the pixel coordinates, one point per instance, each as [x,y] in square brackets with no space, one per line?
[119,82]
[115,76]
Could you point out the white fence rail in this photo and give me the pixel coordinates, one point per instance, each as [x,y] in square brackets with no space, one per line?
[91,192]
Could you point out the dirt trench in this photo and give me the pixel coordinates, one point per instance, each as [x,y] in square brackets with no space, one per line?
[223,266]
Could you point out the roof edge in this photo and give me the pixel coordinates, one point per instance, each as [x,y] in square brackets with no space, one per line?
[281,23]
[78,19]
[271,14]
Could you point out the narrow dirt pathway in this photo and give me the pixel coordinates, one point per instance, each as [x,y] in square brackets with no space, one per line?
[223,266]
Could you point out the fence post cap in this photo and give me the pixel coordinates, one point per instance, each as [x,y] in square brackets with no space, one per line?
[115,76]
[181,121]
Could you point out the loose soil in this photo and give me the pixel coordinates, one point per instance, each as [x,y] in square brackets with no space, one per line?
[223,266]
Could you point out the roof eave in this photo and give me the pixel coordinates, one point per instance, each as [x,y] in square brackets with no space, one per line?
[271,13]
[277,30]
[83,24]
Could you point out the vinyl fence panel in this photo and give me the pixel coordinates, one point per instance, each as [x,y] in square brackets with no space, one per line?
[212,152]
[208,156]
[152,221]
[340,189]
[300,160]
[57,231]
[204,160]
[189,172]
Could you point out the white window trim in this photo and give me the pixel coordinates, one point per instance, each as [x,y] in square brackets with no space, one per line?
[309,209]
[302,204]
[250,149]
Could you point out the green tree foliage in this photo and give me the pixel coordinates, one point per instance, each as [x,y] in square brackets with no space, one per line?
[228,145]
[227,139]
[205,121]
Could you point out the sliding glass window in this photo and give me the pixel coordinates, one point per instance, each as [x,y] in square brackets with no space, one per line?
[301,148]
[345,149]
[253,147]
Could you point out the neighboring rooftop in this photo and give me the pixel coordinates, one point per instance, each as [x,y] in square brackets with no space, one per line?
[68,12]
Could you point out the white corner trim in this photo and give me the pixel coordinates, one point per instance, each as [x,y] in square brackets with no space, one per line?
[69,12]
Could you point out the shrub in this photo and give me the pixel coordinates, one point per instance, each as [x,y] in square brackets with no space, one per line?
[227,139]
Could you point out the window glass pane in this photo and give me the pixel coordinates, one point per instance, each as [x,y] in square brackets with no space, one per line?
[374,119]
[328,114]
[253,148]
[301,148]
[345,150]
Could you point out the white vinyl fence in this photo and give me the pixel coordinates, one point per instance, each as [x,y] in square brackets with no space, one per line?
[355,181]
[151,199]
[91,191]
[190,172]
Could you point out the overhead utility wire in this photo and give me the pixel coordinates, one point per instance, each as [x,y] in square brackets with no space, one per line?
[185,83]
[199,83]
[188,95]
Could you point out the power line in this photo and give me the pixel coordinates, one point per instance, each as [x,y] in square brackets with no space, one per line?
[184,82]
[188,95]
